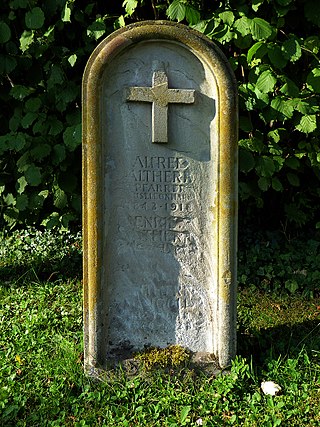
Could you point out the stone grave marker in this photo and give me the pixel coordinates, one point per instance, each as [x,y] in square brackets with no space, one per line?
[159,195]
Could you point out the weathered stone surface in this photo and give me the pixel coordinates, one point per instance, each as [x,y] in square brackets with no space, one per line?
[159,177]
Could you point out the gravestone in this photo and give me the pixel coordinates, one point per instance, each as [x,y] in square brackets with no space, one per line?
[159,195]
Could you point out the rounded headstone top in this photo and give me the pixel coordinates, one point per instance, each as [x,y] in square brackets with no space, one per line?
[145,31]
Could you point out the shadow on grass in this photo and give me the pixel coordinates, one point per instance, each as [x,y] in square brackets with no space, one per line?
[68,266]
[284,340]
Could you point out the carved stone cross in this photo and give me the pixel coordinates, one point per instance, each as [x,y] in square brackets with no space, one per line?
[160,96]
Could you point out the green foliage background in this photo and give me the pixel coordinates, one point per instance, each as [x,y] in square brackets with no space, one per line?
[273,47]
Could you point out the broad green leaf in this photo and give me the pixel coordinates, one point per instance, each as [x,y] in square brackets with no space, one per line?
[40,151]
[307,123]
[276,56]
[276,184]
[59,154]
[177,10]
[119,22]
[55,125]
[277,135]
[97,29]
[66,13]
[20,92]
[290,88]
[292,49]
[303,106]
[211,26]
[242,25]
[51,221]
[242,42]
[21,202]
[278,159]
[3,143]
[15,121]
[9,199]
[33,175]
[292,163]
[41,125]
[72,59]
[34,19]
[65,219]
[21,184]
[262,99]
[57,77]
[17,4]
[293,179]
[259,47]
[130,6]
[224,35]
[5,32]
[281,10]
[312,43]
[49,34]
[256,4]
[33,104]
[26,40]
[246,161]
[36,200]
[250,103]
[313,80]
[201,26]
[291,285]
[7,64]
[265,166]
[252,144]
[23,162]
[263,183]
[192,15]
[67,95]
[283,107]
[260,29]
[89,8]
[184,413]
[44,193]
[227,17]
[59,198]
[17,142]
[28,119]
[72,137]
[266,81]
[10,216]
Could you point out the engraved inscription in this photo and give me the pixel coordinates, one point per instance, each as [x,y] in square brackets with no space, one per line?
[163,204]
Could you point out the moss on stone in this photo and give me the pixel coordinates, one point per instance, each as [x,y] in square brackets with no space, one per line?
[169,357]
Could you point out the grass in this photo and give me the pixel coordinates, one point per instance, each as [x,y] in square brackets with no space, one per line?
[41,355]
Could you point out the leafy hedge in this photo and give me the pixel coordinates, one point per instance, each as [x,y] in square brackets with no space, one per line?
[273,46]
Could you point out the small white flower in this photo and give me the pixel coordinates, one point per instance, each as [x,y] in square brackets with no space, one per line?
[199,422]
[271,388]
